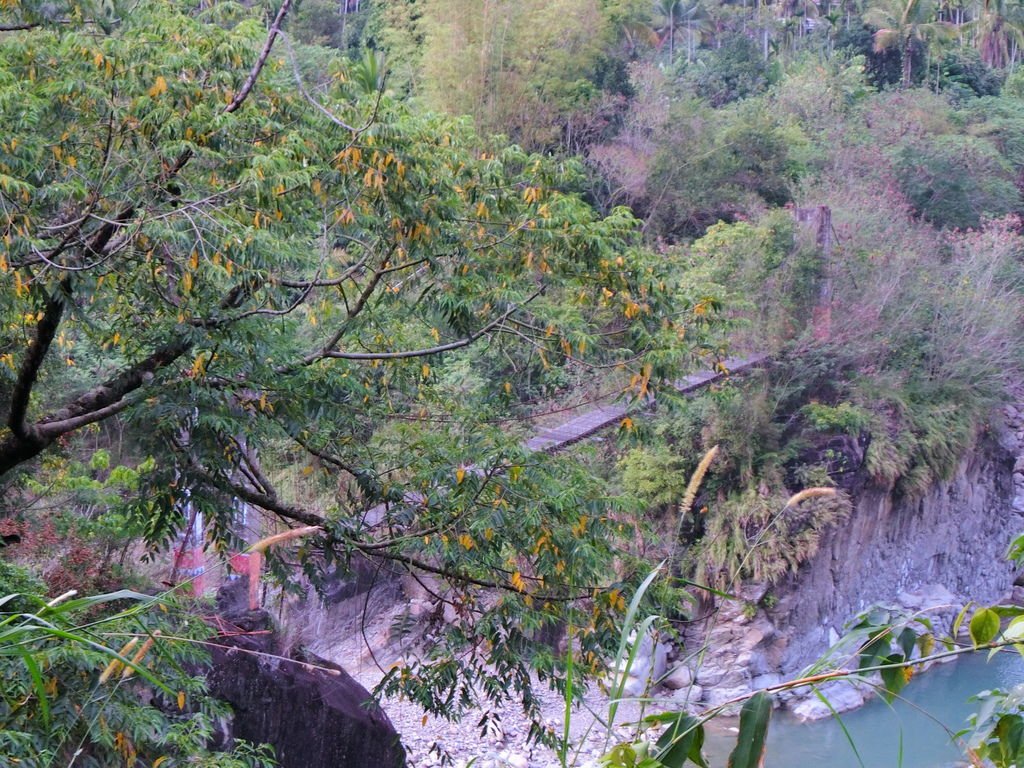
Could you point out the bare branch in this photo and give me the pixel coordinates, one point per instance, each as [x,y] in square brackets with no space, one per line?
[53,429]
[410,353]
[261,60]
[46,330]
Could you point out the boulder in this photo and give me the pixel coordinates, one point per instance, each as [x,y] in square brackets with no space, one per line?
[930,597]
[634,686]
[678,677]
[690,695]
[842,697]
[765,681]
[311,711]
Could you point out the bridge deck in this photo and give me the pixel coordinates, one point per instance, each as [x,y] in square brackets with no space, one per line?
[573,430]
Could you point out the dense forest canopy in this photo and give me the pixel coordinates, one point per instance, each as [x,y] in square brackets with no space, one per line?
[323,259]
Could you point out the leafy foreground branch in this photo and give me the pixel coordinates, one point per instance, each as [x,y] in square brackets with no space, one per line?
[72,684]
[317,320]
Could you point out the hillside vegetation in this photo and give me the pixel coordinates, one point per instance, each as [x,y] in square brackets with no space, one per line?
[308,261]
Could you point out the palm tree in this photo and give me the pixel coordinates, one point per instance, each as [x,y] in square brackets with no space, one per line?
[697,25]
[901,23]
[999,33]
[673,15]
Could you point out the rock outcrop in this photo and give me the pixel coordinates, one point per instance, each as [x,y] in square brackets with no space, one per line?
[310,710]
[926,555]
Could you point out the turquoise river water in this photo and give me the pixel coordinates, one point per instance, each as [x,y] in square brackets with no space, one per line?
[908,734]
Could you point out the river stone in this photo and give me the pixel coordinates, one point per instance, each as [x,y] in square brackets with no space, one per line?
[634,686]
[710,674]
[765,681]
[929,597]
[690,695]
[842,697]
[680,677]
[312,718]
[717,696]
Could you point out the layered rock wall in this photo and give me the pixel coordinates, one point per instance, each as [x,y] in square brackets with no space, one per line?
[899,551]
[928,554]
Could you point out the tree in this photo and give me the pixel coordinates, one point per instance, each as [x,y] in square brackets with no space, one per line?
[904,25]
[254,272]
[519,68]
[670,16]
[999,33]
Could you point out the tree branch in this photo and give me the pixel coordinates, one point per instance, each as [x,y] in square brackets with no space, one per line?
[250,81]
[114,390]
[46,330]
[26,442]
[409,353]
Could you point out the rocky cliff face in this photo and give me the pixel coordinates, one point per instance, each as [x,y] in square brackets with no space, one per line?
[933,553]
[899,551]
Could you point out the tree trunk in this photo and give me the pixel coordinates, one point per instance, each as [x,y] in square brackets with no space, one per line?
[907,63]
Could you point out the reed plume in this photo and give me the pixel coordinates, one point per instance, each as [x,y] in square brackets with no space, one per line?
[695,480]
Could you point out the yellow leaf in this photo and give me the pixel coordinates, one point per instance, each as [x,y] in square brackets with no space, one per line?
[186,283]
[460,475]
[466,541]
[425,371]
[159,87]
[181,704]
[517,581]
[626,424]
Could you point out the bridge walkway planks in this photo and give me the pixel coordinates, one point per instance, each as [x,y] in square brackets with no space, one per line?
[560,436]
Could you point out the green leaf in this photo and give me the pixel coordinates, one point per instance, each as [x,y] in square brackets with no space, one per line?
[750,744]
[906,641]
[37,682]
[984,626]
[1009,732]
[894,678]
[875,648]
[1016,550]
[959,620]
[682,741]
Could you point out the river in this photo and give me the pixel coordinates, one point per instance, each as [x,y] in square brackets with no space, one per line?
[908,734]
